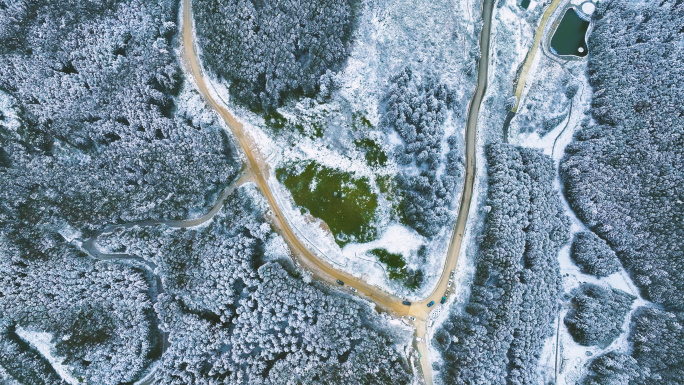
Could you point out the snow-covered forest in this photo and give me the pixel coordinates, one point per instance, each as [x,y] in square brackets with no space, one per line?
[623,177]
[271,51]
[100,138]
[237,311]
[516,289]
[571,270]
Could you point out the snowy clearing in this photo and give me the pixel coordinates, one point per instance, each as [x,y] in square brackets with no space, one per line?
[42,342]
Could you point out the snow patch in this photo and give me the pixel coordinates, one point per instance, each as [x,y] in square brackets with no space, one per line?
[42,342]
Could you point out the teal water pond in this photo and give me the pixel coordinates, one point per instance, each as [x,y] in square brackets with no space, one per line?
[570,36]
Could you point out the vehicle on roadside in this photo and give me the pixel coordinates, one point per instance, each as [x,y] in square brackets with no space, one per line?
[411,318]
[353,289]
[339,282]
[431,303]
[443,300]
[405,302]
[451,275]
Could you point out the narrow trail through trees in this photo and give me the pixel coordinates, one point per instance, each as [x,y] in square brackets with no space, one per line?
[90,247]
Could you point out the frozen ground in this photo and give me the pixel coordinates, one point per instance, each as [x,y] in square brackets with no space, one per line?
[42,342]
[437,39]
[512,35]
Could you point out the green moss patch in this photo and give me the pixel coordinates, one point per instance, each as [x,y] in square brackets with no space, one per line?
[395,264]
[344,202]
[375,156]
[397,270]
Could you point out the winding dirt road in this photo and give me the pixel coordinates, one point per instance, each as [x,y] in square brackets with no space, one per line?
[257,171]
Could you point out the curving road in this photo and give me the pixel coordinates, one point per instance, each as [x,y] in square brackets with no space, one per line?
[520,85]
[467,195]
[257,171]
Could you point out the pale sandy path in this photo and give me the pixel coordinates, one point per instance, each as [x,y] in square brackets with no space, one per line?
[321,270]
[520,84]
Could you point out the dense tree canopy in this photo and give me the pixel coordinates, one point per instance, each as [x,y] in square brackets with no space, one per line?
[623,175]
[271,50]
[593,255]
[99,314]
[100,138]
[515,295]
[416,110]
[597,315]
[657,356]
[235,318]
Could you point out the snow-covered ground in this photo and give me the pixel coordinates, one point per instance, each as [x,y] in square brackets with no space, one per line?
[42,342]
[437,39]
[512,35]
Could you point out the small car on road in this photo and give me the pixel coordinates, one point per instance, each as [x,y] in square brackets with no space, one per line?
[411,318]
[431,303]
[405,302]
[339,282]
[442,300]
[353,289]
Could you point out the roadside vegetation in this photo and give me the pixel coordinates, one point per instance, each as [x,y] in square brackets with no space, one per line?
[397,269]
[344,202]
[516,291]
[97,128]
[416,111]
